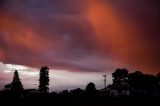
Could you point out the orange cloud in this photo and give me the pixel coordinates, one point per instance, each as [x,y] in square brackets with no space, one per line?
[123,37]
[2,55]
[14,33]
[63,34]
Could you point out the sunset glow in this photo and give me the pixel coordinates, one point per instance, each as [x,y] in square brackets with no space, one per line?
[86,38]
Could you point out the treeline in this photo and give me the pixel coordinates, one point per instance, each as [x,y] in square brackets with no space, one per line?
[124,84]
[127,89]
[16,86]
[137,83]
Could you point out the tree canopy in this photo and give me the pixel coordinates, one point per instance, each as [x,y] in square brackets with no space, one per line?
[44,80]
[16,85]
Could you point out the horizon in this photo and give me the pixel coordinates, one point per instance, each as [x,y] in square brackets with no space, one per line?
[59,79]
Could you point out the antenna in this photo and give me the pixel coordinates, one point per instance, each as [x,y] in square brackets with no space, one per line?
[105,80]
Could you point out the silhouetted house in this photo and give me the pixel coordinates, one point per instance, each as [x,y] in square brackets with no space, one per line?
[64,92]
[28,92]
[77,92]
[146,92]
[155,92]
[114,91]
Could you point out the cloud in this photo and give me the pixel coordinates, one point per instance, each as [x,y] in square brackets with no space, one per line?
[58,36]
[59,79]
[129,29]
[85,35]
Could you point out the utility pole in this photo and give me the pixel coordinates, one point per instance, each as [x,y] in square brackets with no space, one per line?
[105,80]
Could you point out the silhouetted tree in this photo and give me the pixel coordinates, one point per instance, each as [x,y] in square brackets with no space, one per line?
[64,93]
[44,80]
[158,81]
[120,77]
[16,85]
[139,81]
[7,87]
[136,80]
[149,81]
[91,89]
[158,78]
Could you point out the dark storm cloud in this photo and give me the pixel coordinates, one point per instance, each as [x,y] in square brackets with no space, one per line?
[50,32]
[2,3]
[83,35]
[146,14]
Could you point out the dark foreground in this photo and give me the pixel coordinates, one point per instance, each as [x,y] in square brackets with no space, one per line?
[64,100]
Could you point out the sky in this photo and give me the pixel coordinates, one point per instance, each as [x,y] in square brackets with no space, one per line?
[83,38]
